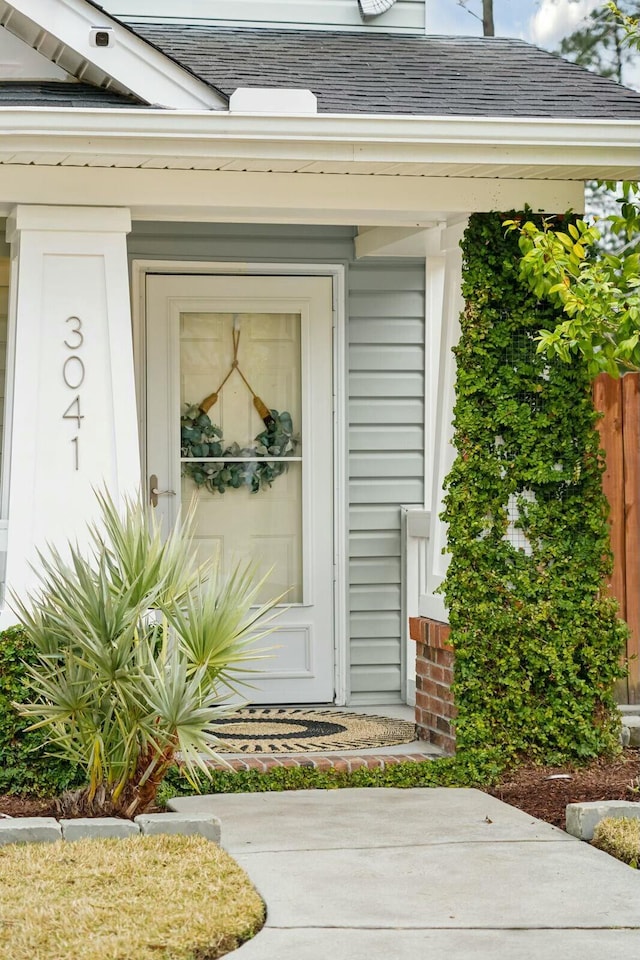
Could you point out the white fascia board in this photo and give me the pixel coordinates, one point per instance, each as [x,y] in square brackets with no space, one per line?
[594,146]
[76,220]
[242,197]
[130,61]
[395,241]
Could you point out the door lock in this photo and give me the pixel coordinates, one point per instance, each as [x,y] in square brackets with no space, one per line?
[154,493]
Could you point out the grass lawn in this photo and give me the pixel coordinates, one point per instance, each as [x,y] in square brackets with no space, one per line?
[620,838]
[143,898]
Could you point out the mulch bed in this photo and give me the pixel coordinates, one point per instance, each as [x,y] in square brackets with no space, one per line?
[528,788]
[531,790]
[28,807]
[23,807]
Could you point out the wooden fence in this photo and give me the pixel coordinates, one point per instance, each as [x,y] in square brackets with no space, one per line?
[619,401]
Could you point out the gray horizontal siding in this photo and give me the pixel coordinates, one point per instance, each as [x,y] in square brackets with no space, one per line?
[375,491]
[375,683]
[386,410]
[374,570]
[387,465]
[387,624]
[386,461]
[371,517]
[394,358]
[371,598]
[403,331]
[374,543]
[259,242]
[387,652]
[364,384]
[385,335]
[400,438]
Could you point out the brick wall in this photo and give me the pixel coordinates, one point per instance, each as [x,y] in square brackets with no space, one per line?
[434,674]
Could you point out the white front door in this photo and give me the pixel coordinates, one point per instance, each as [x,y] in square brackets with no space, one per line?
[263,480]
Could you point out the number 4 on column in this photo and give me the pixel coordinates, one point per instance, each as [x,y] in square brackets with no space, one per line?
[77,416]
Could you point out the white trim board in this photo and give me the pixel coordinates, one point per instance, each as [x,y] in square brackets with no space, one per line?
[230,196]
[499,147]
[139,271]
[61,30]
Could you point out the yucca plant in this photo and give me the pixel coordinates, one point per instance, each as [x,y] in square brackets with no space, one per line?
[139,651]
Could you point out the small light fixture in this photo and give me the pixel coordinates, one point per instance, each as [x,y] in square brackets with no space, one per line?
[101,37]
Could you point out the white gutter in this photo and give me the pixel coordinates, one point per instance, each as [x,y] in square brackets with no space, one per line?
[323,126]
[535,142]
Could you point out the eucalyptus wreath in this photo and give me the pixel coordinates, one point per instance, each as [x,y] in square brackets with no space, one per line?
[199,437]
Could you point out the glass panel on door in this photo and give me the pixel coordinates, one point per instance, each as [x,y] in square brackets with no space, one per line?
[279,329]
[241,444]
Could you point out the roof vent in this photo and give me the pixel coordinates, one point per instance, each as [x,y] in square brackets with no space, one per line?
[373,8]
[272,100]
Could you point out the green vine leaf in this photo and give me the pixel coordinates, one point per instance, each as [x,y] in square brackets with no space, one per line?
[537,639]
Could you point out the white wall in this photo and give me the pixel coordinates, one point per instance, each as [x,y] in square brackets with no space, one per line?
[21,62]
[71,418]
[404,15]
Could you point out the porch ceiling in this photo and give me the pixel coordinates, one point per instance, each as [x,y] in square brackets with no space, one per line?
[244,164]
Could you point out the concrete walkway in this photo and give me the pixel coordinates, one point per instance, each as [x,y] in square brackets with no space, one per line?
[425,873]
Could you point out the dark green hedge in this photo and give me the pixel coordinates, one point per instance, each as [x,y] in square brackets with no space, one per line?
[536,637]
[25,765]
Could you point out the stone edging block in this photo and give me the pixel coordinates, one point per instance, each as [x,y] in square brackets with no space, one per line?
[30,830]
[97,827]
[582,818]
[203,825]
[631,730]
[48,830]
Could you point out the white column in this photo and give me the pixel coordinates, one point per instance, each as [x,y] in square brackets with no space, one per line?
[441,448]
[71,422]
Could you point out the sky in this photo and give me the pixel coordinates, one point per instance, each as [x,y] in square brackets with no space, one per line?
[543,22]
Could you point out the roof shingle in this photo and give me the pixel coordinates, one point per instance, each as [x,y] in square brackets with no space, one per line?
[395,74]
[60,93]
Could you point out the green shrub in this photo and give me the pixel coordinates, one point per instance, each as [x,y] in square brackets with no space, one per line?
[536,635]
[620,838]
[25,764]
[480,768]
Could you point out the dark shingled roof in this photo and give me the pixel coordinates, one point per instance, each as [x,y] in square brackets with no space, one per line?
[395,74]
[60,93]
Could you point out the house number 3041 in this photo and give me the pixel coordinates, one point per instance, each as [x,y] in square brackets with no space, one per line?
[73,373]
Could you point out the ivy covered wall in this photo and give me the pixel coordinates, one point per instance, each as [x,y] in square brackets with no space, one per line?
[536,637]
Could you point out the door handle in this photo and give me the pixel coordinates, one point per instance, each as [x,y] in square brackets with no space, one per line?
[154,493]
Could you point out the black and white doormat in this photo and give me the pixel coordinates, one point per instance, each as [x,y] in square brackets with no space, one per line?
[297,730]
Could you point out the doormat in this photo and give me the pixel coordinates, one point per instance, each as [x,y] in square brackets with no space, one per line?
[294,730]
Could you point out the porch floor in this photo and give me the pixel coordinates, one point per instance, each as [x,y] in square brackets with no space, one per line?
[344,760]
